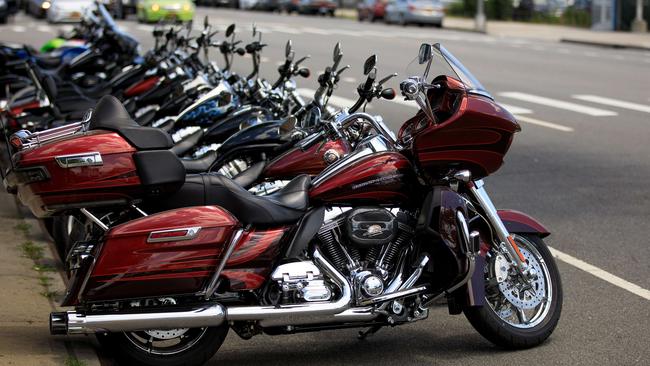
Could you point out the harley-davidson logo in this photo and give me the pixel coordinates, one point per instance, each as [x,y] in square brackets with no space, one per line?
[385,179]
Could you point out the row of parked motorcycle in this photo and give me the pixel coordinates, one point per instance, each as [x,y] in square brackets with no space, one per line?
[187,200]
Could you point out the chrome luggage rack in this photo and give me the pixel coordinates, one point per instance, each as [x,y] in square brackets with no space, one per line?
[24,139]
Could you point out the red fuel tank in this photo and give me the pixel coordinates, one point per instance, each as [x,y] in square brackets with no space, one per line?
[311,160]
[366,176]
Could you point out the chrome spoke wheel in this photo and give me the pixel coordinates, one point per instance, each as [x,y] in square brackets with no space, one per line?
[521,305]
[165,342]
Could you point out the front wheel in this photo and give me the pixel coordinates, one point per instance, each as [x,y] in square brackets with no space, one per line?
[193,346]
[516,317]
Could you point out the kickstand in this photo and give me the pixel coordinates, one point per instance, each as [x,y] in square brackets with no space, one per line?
[370,331]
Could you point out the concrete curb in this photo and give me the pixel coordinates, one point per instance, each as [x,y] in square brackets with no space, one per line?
[605,44]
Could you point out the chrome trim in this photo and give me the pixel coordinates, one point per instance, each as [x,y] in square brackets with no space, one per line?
[94,219]
[214,281]
[307,313]
[78,323]
[394,295]
[415,276]
[478,191]
[77,160]
[365,148]
[191,233]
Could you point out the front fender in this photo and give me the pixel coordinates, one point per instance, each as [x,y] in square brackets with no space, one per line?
[520,223]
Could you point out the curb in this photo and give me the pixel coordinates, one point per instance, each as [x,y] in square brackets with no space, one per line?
[605,44]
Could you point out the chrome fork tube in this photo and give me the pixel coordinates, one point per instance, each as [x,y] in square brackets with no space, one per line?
[477,189]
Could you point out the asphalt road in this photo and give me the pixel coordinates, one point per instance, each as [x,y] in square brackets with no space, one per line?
[581,165]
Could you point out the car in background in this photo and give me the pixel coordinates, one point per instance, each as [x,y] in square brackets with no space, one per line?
[421,12]
[290,6]
[264,5]
[149,11]
[371,10]
[4,11]
[325,7]
[67,10]
[38,8]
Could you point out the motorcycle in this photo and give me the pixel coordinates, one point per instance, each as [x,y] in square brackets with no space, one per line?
[374,240]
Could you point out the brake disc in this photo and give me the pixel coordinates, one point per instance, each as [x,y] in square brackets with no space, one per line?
[166,334]
[513,290]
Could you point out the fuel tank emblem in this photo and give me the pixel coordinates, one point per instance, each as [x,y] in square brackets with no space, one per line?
[331,156]
[380,180]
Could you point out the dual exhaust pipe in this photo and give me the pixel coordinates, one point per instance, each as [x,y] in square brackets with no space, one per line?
[213,315]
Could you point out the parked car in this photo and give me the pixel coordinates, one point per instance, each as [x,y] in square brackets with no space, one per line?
[171,10]
[371,10]
[266,5]
[67,10]
[4,11]
[415,12]
[290,6]
[38,8]
[327,7]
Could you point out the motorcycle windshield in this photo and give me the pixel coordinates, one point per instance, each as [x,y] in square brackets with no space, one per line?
[445,63]
[129,42]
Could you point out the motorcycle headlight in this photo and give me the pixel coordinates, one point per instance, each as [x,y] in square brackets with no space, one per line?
[45,5]
[155,7]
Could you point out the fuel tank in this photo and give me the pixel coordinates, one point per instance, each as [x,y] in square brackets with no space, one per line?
[372,174]
[312,159]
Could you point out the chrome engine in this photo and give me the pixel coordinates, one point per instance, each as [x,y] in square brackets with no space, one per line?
[301,281]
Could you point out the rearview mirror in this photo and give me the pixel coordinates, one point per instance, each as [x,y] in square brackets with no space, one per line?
[287,49]
[336,56]
[370,64]
[230,30]
[425,54]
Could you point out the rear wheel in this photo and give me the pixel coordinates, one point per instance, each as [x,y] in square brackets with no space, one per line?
[516,316]
[186,346]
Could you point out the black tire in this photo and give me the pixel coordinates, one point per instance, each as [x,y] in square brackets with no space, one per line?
[198,354]
[502,334]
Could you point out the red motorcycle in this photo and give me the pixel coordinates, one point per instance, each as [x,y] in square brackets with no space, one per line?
[374,240]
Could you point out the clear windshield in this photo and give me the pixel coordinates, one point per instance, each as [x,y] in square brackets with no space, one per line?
[444,63]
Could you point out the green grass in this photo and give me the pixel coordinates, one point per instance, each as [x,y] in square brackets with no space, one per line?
[23,226]
[32,251]
[72,361]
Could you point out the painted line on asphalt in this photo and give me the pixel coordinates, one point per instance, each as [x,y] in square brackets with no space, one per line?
[537,122]
[340,102]
[600,273]
[349,80]
[315,31]
[44,28]
[18,28]
[613,102]
[555,103]
[516,110]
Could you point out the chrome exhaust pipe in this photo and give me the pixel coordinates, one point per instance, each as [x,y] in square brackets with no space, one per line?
[72,322]
[307,313]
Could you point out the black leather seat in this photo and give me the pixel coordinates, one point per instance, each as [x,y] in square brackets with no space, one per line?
[47,61]
[286,206]
[110,114]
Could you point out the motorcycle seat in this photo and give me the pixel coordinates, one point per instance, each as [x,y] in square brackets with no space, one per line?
[47,61]
[109,114]
[199,165]
[286,206]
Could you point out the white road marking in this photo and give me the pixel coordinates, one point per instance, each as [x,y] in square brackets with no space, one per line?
[600,273]
[44,29]
[537,122]
[340,102]
[18,28]
[265,59]
[614,102]
[143,27]
[596,112]
[284,29]
[315,31]
[349,80]
[516,110]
